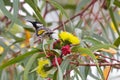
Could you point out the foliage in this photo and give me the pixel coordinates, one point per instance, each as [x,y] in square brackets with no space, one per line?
[84,45]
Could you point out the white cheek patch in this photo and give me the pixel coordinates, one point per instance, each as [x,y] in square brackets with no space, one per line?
[38,24]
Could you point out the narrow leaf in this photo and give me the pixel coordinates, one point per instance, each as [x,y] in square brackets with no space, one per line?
[82,4]
[110,50]
[98,47]
[113,19]
[79,73]
[64,65]
[106,72]
[59,7]
[108,3]
[60,73]
[9,15]
[92,40]
[17,59]
[29,65]
[15,6]
[4,53]
[117,3]
[117,42]
[37,11]
[87,51]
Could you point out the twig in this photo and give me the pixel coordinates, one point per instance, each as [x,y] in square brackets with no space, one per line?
[46,10]
[92,64]
[81,13]
[107,57]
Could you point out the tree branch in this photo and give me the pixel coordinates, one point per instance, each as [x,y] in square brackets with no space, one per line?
[107,57]
[79,14]
[93,64]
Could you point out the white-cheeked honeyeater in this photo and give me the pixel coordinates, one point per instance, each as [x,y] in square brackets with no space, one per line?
[40,30]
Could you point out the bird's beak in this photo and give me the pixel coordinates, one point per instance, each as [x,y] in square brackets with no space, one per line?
[29,21]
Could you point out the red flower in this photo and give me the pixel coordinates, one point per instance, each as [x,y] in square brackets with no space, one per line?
[66,50]
[56,44]
[59,60]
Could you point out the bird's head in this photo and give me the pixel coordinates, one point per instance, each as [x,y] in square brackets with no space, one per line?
[36,24]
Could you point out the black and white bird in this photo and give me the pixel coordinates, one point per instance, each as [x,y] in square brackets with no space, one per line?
[40,30]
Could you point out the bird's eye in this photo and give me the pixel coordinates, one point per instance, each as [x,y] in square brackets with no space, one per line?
[38,24]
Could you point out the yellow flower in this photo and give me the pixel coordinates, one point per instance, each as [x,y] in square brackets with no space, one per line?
[66,36]
[1,49]
[40,69]
[74,40]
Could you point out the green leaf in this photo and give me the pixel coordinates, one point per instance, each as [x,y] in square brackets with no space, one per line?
[17,59]
[87,69]
[6,49]
[7,2]
[92,40]
[108,3]
[82,50]
[17,39]
[56,52]
[100,38]
[113,20]
[59,7]
[117,42]
[84,70]
[117,3]
[5,11]
[60,74]
[15,6]
[93,75]
[55,75]
[36,10]
[104,28]
[64,65]
[82,4]
[87,51]
[16,29]
[29,65]
[69,6]
[105,46]
[9,15]
[79,73]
